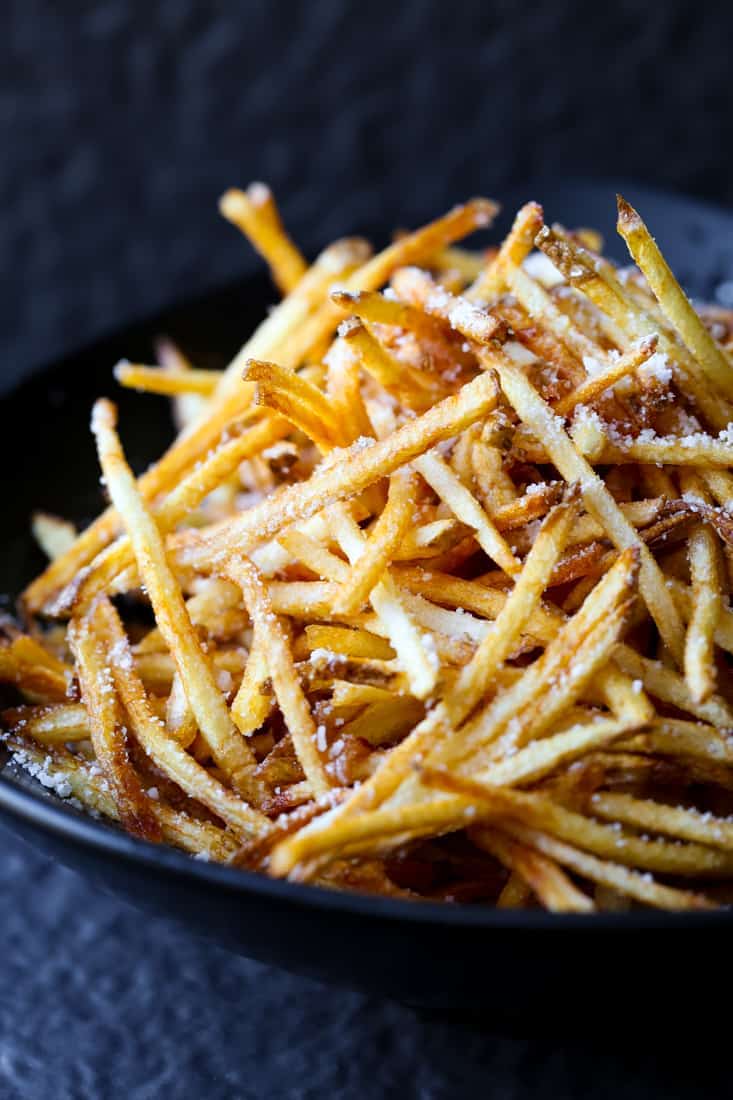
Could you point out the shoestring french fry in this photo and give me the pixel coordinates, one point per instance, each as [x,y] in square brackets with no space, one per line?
[255,212]
[438,564]
[135,376]
[54,535]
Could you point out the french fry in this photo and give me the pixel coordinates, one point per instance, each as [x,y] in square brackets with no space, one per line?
[386,536]
[466,508]
[672,300]
[54,536]
[105,728]
[212,717]
[253,702]
[618,878]
[170,382]
[551,885]
[414,650]
[49,725]
[706,603]
[517,245]
[165,750]
[278,657]
[255,213]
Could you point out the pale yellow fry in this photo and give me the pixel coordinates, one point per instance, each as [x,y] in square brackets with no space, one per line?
[279,660]
[673,301]
[551,885]
[49,725]
[227,746]
[515,248]
[666,685]
[698,450]
[343,386]
[540,812]
[350,642]
[179,719]
[705,574]
[55,536]
[466,508]
[677,737]
[135,376]
[314,555]
[253,702]
[384,539]
[592,388]
[255,213]
[541,757]
[656,817]
[412,647]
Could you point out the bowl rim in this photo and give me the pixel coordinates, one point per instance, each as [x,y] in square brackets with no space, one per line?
[48,814]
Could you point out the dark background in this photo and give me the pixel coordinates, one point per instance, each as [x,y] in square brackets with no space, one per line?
[120,125]
[122,122]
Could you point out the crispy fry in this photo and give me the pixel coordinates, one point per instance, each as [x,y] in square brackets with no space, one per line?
[212,717]
[254,212]
[171,382]
[107,734]
[388,532]
[672,300]
[278,658]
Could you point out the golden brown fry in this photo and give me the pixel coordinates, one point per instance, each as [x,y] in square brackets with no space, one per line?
[163,749]
[551,885]
[384,539]
[254,212]
[673,302]
[517,245]
[107,734]
[212,717]
[171,382]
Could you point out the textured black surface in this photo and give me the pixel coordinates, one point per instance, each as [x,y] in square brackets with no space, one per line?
[121,122]
[98,1004]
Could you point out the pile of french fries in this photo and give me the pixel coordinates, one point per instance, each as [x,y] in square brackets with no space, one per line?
[438,571]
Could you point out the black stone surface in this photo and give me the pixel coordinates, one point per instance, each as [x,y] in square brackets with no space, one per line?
[99,1003]
[120,124]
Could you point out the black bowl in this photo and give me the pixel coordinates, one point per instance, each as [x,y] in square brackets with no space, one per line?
[519,969]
